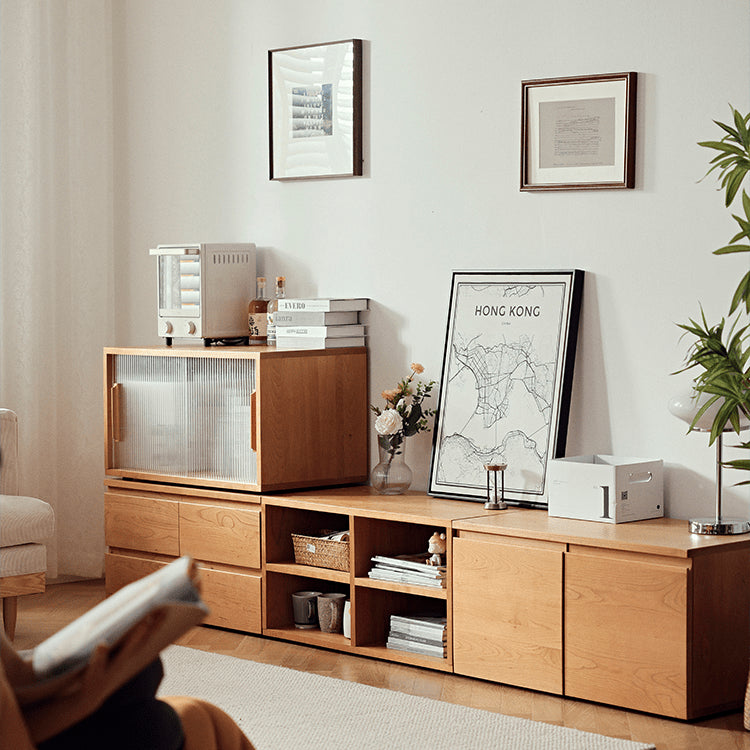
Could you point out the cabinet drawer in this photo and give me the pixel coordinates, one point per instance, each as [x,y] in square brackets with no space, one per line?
[120,570]
[220,533]
[233,598]
[141,523]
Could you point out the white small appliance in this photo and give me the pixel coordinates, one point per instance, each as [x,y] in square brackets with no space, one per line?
[204,290]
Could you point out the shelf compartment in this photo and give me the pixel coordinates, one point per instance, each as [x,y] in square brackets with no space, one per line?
[281,522]
[308,571]
[370,630]
[403,588]
[278,614]
[390,538]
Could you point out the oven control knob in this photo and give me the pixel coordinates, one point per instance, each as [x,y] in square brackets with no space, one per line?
[166,328]
[191,328]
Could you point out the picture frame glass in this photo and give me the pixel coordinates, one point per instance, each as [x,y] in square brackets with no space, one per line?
[315,118]
[506,382]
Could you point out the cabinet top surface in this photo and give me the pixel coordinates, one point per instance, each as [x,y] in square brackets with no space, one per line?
[414,507]
[663,536]
[227,352]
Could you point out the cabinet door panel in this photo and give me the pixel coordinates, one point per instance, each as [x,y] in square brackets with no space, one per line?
[220,533]
[626,633]
[141,523]
[507,613]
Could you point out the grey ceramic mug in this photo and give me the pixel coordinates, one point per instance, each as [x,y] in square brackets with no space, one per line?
[305,606]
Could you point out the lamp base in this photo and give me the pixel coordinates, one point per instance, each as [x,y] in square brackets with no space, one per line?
[490,505]
[722,526]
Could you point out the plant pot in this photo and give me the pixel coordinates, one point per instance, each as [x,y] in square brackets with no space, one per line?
[391,476]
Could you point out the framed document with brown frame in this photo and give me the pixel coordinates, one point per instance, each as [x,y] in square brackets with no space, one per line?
[578,133]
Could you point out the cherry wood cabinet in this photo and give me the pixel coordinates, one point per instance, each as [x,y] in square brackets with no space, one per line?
[247,418]
[649,617]
[641,615]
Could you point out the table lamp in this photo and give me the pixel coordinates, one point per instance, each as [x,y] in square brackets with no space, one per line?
[686,406]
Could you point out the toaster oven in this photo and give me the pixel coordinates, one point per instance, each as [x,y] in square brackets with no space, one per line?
[204,290]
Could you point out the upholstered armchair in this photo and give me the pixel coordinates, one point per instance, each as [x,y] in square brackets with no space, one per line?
[26,523]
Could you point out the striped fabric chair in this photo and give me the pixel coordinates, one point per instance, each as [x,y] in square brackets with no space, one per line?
[25,524]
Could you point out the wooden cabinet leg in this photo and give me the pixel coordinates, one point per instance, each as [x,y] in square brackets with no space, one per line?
[10,611]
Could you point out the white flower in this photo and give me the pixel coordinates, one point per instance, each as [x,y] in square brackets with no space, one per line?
[389,423]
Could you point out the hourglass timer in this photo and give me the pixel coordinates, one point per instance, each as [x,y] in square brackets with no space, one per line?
[495,502]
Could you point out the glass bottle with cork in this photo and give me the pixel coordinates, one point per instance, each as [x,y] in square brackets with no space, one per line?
[273,306]
[257,314]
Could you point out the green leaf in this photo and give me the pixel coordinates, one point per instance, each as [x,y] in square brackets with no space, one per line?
[731,131]
[723,146]
[732,249]
[733,183]
[742,294]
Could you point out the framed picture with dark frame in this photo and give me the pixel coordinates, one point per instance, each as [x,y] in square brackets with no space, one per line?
[506,382]
[315,110]
[578,133]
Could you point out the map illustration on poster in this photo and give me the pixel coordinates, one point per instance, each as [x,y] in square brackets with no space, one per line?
[506,379]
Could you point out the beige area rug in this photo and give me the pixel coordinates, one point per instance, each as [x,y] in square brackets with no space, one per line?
[282,709]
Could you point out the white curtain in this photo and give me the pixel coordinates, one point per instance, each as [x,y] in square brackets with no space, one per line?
[56,257]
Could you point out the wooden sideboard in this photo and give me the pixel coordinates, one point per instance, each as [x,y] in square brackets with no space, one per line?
[641,615]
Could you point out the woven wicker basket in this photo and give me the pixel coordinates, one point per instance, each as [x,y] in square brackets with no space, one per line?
[321,553]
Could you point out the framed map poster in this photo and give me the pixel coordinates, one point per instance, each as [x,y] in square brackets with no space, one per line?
[506,381]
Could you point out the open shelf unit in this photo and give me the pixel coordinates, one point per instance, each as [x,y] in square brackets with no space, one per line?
[377,525]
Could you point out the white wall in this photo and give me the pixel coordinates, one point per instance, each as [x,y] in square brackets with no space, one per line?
[440,191]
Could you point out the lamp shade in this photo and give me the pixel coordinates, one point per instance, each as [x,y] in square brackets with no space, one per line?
[686,405]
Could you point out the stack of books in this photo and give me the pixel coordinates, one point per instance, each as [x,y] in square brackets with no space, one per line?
[409,569]
[319,323]
[418,634]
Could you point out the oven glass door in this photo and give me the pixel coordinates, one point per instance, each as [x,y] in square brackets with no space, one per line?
[179,285]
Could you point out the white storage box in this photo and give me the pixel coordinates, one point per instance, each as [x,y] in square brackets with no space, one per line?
[609,489]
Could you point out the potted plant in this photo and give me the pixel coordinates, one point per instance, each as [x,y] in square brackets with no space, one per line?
[721,352]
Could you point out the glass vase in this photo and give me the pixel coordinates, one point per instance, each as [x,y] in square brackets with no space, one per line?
[391,476]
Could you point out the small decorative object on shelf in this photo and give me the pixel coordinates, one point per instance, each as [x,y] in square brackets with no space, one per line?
[436,548]
[402,417]
[493,501]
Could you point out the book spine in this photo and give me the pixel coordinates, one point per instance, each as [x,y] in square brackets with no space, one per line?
[320,331]
[305,305]
[425,640]
[295,318]
[433,635]
[416,648]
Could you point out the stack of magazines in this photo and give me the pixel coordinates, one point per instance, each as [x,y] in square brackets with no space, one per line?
[418,634]
[409,569]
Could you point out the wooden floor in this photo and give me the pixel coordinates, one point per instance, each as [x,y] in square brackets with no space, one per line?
[40,615]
